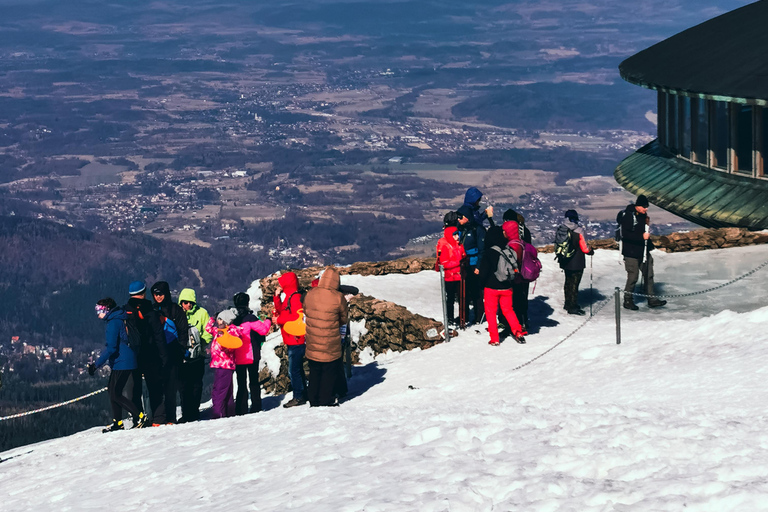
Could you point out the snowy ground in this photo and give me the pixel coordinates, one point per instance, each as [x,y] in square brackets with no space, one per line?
[672,418]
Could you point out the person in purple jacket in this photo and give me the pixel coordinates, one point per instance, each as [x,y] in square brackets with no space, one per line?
[122,360]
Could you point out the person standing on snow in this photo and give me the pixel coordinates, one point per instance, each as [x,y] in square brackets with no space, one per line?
[325,310]
[122,360]
[193,369]
[635,242]
[287,310]
[519,287]
[472,237]
[176,348]
[575,265]
[223,363]
[247,357]
[152,354]
[450,254]
[498,294]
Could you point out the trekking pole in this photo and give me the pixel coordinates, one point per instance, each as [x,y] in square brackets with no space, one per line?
[617,300]
[445,306]
[591,297]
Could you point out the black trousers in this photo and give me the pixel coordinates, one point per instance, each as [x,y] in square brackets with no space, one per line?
[247,380]
[451,295]
[520,302]
[151,369]
[118,382]
[473,296]
[171,387]
[191,377]
[322,382]
[571,288]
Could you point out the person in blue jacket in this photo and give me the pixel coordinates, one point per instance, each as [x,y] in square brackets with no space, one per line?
[122,360]
[472,238]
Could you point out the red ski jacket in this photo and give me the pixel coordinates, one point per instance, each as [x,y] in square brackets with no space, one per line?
[450,254]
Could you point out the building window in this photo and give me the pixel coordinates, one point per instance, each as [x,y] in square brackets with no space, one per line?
[743,139]
[672,122]
[719,135]
[684,118]
[700,131]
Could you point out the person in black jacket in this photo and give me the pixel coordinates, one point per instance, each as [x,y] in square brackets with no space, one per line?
[152,355]
[635,242]
[175,348]
[247,374]
[471,227]
[575,265]
[497,294]
[520,288]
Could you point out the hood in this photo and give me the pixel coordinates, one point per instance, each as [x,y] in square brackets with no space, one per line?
[448,235]
[188,294]
[289,282]
[330,279]
[572,226]
[116,313]
[511,230]
[163,288]
[467,211]
[495,236]
[472,196]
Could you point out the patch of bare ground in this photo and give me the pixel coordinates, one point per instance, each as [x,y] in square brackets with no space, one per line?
[437,103]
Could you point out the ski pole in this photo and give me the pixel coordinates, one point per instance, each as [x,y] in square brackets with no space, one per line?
[591,298]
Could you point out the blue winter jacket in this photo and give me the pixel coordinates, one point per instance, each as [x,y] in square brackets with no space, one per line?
[472,234]
[117,351]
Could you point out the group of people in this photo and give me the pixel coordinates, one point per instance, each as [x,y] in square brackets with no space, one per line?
[472,257]
[164,345]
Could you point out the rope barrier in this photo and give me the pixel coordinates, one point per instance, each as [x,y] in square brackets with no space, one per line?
[701,292]
[600,305]
[48,408]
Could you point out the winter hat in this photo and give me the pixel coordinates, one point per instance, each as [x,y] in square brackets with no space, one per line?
[509,215]
[642,201]
[227,316]
[511,230]
[136,287]
[572,215]
[241,300]
[162,288]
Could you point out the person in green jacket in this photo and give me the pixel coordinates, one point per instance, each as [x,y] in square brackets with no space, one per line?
[191,374]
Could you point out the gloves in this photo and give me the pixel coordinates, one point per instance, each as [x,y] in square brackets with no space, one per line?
[91,369]
[591,252]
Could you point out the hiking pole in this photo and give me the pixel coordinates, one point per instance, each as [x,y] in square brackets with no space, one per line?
[591,298]
[445,305]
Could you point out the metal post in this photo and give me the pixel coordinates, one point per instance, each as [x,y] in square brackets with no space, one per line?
[445,306]
[617,300]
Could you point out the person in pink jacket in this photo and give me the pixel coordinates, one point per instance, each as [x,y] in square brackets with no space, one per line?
[247,357]
[223,363]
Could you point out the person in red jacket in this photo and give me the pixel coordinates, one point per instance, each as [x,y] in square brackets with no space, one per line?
[289,315]
[450,255]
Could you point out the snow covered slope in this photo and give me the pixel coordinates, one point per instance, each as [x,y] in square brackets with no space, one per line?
[673,418]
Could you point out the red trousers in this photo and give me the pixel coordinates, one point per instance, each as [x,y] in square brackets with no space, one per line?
[493,300]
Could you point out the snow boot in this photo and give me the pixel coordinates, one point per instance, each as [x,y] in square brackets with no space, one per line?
[139,422]
[656,303]
[114,427]
[576,311]
[518,336]
[294,403]
[629,303]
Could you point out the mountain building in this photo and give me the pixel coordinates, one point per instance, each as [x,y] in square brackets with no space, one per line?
[708,162]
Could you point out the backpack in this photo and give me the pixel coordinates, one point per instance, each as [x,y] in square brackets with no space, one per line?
[169,328]
[297,326]
[530,266]
[195,347]
[564,248]
[506,268]
[132,329]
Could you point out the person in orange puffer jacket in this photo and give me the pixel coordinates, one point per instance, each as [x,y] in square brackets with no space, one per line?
[289,308]
[450,255]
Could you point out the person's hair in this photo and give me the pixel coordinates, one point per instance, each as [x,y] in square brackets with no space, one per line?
[108,303]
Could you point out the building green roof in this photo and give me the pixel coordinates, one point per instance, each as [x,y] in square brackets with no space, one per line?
[705,196]
[722,59]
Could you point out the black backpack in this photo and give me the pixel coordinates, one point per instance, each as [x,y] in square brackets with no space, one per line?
[133,324]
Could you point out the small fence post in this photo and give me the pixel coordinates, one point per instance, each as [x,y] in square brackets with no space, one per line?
[617,300]
[445,306]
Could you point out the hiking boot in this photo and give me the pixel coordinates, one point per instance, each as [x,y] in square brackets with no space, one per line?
[519,337]
[293,402]
[630,304]
[576,311]
[139,422]
[114,427]
[656,303]
[494,343]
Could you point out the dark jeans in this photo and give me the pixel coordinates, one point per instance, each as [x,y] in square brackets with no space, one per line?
[451,295]
[571,288]
[296,370]
[151,369]
[322,382]
[247,374]
[191,376]
[520,302]
[118,383]
[221,394]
